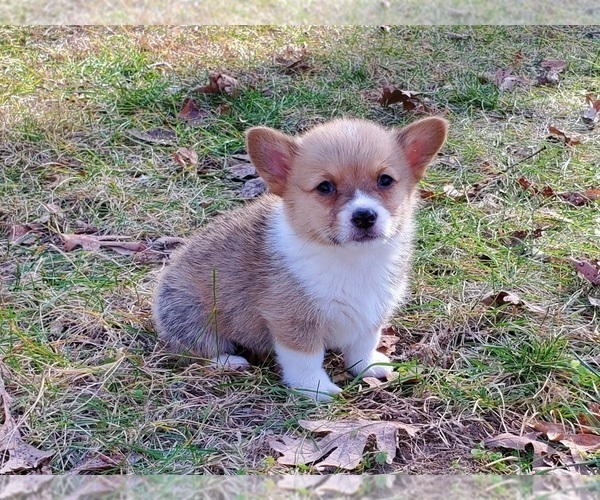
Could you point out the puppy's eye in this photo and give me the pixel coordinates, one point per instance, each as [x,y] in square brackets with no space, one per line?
[326,187]
[385,181]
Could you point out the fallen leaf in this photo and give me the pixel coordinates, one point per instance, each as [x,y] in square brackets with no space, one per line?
[522,443]
[594,301]
[85,241]
[553,64]
[554,432]
[242,171]
[96,463]
[293,60]
[373,382]
[190,112]
[18,455]
[553,67]
[586,443]
[451,192]
[219,83]
[506,80]
[345,440]
[389,339]
[590,114]
[24,234]
[411,102]
[590,422]
[92,243]
[160,136]
[574,198]
[294,66]
[569,141]
[502,298]
[590,270]
[186,157]
[425,194]
[253,188]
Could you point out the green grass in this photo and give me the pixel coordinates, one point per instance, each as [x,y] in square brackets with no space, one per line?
[78,349]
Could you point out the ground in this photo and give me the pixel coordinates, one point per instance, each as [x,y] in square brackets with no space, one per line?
[90,121]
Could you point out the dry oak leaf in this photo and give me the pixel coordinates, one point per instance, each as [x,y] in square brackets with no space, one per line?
[219,83]
[345,442]
[187,158]
[20,455]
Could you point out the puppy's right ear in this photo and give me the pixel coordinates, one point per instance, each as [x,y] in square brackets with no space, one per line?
[271,153]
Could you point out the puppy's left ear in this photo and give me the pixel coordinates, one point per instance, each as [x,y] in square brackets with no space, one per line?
[420,142]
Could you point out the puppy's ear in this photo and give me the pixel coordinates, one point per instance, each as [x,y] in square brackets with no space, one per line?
[271,152]
[420,142]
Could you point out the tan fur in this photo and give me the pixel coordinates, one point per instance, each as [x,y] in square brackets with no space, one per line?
[229,287]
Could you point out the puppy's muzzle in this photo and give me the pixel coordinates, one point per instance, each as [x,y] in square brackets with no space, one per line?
[364,218]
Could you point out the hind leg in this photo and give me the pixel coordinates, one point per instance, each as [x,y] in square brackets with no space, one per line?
[188,329]
[229,361]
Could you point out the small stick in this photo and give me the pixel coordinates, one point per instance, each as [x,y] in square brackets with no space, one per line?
[525,159]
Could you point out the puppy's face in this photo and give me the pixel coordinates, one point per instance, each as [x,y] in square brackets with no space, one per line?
[347,182]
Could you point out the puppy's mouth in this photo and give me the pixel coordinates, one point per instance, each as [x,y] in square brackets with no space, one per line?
[364,236]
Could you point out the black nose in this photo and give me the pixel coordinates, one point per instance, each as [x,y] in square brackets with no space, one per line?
[364,218]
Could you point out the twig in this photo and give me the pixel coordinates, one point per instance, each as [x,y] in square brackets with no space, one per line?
[525,159]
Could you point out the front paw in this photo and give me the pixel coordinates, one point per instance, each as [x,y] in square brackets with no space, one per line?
[370,368]
[317,386]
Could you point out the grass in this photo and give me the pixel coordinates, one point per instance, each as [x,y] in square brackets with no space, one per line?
[78,349]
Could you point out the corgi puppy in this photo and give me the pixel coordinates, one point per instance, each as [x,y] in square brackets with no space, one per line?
[321,262]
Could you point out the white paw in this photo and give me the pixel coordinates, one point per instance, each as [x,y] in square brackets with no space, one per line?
[369,368]
[314,385]
[304,373]
[229,361]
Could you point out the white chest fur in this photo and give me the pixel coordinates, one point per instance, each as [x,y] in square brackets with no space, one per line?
[356,287]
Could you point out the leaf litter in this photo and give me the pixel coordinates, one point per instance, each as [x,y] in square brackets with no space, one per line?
[547,454]
[575,198]
[557,133]
[187,158]
[589,269]
[590,114]
[219,83]
[344,444]
[154,251]
[410,101]
[15,454]
[191,113]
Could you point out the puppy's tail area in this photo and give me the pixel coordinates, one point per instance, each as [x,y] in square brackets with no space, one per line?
[184,324]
